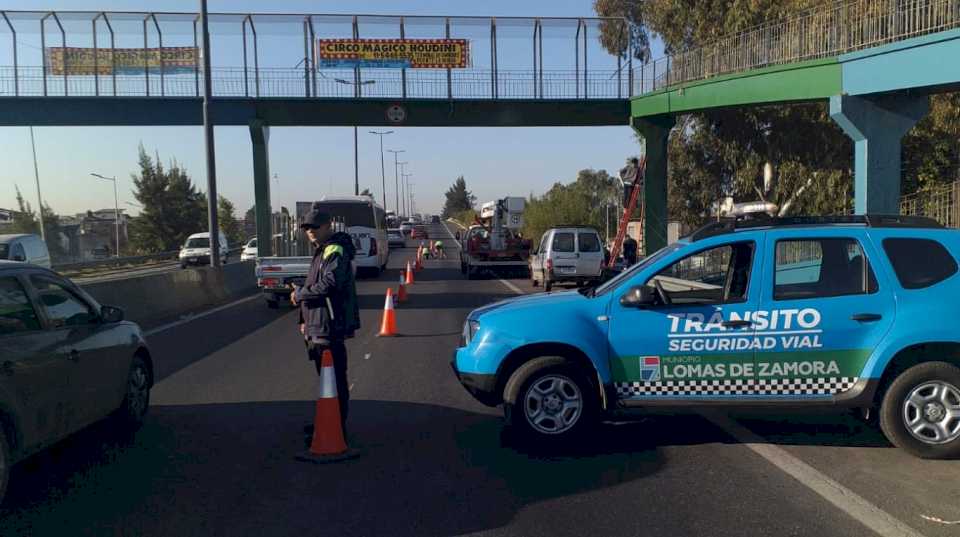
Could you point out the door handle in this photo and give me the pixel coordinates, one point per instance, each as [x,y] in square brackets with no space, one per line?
[737,323]
[864,317]
[73,355]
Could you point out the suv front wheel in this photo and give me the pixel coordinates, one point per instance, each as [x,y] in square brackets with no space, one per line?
[920,412]
[555,402]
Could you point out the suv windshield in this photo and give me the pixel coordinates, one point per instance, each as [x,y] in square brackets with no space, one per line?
[659,254]
[352,214]
[198,242]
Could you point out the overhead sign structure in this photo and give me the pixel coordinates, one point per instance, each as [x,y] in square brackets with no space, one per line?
[394,53]
[80,60]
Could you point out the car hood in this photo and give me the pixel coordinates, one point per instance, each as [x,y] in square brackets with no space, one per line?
[538,300]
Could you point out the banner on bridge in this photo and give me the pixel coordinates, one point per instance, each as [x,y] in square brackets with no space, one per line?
[394,53]
[80,60]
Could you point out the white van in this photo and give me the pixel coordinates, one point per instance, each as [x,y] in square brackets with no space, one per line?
[25,247]
[366,223]
[567,254]
[196,250]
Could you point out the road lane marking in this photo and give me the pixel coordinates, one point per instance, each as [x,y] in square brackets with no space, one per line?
[366,356]
[851,503]
[350,388]
[452,237]
[201,315]
[511,286]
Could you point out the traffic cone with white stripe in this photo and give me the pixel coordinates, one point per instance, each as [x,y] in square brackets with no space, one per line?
[409,275]
[402,290]
[388,326]
[328,443]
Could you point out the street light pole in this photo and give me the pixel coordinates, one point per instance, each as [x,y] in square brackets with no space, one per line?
[356,164]
[396,178]
[116,210]
[383,169]
[212,198]
[406,195]
[36,175]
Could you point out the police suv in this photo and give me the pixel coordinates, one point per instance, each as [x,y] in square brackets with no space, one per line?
[851,311]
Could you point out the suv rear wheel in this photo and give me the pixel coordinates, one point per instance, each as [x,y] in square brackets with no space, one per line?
[554,402]
[137,399]
[920,412]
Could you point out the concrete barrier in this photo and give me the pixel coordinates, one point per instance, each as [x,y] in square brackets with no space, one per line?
[154,297]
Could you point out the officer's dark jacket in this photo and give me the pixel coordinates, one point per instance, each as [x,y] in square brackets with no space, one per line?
[328,297]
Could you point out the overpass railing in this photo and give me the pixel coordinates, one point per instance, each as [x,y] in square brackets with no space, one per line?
[72,53]
[825,31]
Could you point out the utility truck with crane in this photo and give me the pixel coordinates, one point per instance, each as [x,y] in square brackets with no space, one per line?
[495,243]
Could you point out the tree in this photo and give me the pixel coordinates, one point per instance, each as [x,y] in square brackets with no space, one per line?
[25,221]
[722,153]
[458,198]
[172,207]
[229,224]
[584,202]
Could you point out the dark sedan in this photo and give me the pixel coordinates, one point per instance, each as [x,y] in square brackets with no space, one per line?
[65,362]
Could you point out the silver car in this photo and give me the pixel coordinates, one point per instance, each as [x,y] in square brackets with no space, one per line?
[65,362]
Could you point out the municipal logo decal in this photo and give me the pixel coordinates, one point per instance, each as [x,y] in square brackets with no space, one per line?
[649,368]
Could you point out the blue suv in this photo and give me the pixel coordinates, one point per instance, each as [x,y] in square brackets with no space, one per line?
[852,311]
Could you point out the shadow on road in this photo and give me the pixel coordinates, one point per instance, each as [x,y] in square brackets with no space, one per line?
[228,469]
[802,429]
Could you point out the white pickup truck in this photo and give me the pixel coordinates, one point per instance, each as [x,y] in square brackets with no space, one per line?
[276,274]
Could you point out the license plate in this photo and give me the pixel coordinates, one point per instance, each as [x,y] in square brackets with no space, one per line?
[567,270]
[193,259]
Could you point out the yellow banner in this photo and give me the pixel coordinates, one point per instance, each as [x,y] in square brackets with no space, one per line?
[394,53]
[82,61]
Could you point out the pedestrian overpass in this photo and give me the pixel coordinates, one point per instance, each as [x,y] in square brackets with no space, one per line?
[78,68]
[875,61]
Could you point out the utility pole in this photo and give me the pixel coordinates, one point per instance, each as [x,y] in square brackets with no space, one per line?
[406,199]
[383,170]
[116,209]
[396,177]
[36,175]
[403,186]
[356,164]
[212,198]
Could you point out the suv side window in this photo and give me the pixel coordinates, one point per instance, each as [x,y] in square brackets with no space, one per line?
[63,307]
[543,242]
[714,276]
[563,242]
[17,252]
[919,263]
[818,268]
[16,311]
[589,242]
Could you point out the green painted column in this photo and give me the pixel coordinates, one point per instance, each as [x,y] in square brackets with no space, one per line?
[876,126]
[260,136]
[655,132]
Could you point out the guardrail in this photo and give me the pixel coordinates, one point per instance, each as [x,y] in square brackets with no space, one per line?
[828,30]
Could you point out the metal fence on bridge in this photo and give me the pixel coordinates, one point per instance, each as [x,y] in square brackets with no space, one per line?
[942,203]
[69,53]
[828,30]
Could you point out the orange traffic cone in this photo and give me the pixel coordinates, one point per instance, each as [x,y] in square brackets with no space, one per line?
[388,327]
[328,444]
[402,290]
[409,275]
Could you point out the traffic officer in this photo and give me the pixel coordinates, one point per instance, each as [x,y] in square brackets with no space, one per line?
[329,312]
[630,251]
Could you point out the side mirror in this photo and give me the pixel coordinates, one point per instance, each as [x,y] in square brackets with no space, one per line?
[111,314]
[640,296]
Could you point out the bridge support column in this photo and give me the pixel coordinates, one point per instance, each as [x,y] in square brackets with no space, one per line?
[655,132]
[260,136]
[876,127]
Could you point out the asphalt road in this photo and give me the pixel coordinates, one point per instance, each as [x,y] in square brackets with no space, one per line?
[216,454]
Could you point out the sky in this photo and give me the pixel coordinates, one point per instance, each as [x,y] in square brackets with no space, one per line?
[309,162]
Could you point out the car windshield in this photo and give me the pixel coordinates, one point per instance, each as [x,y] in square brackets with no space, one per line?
[198,242]
[659,254]
[252,243]
[355,214]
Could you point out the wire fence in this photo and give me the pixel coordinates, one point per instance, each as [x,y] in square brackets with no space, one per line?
[941,203]
[273,82]
[825,31]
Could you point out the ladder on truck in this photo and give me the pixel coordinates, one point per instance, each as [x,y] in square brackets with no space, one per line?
[640,167]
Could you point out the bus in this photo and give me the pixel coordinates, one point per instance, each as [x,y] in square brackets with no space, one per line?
[363,220]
